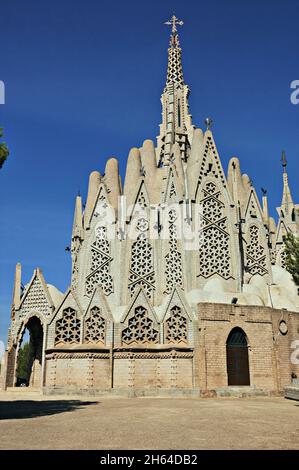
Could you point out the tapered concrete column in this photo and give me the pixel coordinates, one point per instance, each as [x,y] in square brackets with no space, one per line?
[94,182]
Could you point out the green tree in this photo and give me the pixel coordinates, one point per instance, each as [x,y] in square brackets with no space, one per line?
[4,152]
[24,361]
[292,256]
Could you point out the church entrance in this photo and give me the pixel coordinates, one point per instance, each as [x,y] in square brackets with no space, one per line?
[29,362]
[237,358]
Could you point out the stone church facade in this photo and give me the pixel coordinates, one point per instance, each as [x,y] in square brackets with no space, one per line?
[178,282]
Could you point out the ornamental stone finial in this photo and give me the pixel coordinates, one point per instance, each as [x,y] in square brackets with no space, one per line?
[284,161]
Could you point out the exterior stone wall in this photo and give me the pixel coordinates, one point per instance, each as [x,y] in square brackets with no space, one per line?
[202,366]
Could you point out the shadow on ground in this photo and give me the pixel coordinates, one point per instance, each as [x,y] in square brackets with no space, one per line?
[22,409]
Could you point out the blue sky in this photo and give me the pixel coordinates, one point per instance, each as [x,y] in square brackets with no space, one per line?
[83,83]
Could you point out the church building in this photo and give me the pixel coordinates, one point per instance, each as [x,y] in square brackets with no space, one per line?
[178,282]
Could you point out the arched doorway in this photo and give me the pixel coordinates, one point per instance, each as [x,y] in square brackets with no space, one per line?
[237,358]
[30,353]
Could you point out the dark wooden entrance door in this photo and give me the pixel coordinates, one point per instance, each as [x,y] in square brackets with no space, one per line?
[237,358]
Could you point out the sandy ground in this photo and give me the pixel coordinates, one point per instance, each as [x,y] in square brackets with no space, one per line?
[30,421]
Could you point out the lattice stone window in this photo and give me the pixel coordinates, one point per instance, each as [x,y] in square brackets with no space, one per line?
[95,327]
[281,257]
[174,71]
[141,201]
[175,329]
[214,250]
[256,253]
[173,271]
[211,165]
[36,300]
[67,329]
[140,329]
[141,268]
[100,264]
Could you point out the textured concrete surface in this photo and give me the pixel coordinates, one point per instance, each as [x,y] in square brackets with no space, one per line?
[292,392]
[30,421]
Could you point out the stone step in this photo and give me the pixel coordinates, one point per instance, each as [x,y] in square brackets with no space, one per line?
[292,393]
[23,390]
[240,392]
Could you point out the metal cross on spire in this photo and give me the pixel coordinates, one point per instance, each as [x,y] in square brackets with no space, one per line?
[174,21]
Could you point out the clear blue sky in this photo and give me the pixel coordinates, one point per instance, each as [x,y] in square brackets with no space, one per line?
[83,83]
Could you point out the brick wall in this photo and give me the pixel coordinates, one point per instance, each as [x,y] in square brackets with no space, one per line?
[269,350]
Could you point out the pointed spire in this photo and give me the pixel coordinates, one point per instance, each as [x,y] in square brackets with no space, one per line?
[174,69]
[112,181]
[265,207]
[93,186]
[287,201]
[17,288]
[235,181]
[133,172]
[176,123]
[77,224]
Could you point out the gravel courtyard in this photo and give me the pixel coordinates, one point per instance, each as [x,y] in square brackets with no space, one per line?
[30,421]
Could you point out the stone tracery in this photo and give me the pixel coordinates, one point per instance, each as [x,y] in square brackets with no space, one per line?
[141,269]
[140,329]
[176,330]
[95,326]
[67,329]
[214,250]
[256,254]
[100,264]
[173,259]
[36,300]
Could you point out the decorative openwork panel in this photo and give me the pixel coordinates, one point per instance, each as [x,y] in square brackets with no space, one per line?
[281,257]
[173,272]
[95,327]
[214,251]
[176,329]
[211,165]
[252,209]
[140,329]
[141,269]
[141,200]
[255,253]
[36,300]
[175,70]
[100,264]
[67,329]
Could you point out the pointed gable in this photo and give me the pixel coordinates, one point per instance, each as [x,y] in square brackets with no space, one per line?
[139,298]
[177,298]
[141,200]
[36,297]
[139,325]
[173,187]
[177,321]
[210,165]
[257,253]
[98,299]
[102,210]
[98,322]
[253,208]
[281,231]
[66,323]
[69,300]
